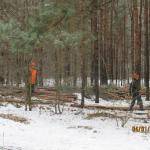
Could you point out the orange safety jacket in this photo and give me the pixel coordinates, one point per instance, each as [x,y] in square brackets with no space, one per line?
[33,76]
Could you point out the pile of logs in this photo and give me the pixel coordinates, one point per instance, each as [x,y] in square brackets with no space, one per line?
[52,94]
[7,91]
[41,95]
[117,93]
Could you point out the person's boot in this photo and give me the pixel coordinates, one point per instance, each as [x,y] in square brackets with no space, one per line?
[131,108]
[141,106]
[132,104]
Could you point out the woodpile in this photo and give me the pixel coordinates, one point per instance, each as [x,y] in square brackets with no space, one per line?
[7,91]
[53,94]
[117,93]
[41,95]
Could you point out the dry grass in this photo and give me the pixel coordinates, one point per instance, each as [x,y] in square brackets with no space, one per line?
[82,127]
[85,127]
[101,114]
[14,118]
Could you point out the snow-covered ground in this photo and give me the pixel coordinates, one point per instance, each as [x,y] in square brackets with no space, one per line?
[68,131]
[119,103]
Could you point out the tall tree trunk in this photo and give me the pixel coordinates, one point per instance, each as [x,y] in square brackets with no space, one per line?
[96,50]
[103,49]
[41,67]
[92,51]
[75,71]
[111,57]
[137,25]
[82,53]
[146,18]
[132,39]
[124,44]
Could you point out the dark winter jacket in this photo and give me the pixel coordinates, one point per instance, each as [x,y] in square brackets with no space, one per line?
[134,88]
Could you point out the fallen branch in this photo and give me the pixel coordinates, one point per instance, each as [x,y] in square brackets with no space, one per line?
[123,118]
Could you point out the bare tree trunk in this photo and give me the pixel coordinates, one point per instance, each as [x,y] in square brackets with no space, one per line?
[137,25]
[146,18]
[111,57]
[102,47]
[41,67]
[132,39]
[75,71]
[82,53]
[96,50]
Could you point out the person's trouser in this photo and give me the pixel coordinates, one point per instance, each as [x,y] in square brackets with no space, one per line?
[32,88]
[139,102]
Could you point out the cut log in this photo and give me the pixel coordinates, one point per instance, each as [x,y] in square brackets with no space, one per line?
[44,102]
[52,98]
[108,107]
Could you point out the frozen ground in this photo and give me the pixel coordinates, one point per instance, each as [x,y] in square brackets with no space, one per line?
[68,131]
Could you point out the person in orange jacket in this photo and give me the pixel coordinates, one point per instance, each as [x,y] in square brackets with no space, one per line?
[32,75]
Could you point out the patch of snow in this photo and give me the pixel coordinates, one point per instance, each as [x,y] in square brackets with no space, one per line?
[68,131]
[49,82]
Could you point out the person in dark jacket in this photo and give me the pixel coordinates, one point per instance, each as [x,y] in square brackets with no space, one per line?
[134,91]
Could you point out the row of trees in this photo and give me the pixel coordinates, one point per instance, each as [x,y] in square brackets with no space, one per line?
[75,40]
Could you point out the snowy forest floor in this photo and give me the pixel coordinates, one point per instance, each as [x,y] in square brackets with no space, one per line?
[74,129]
